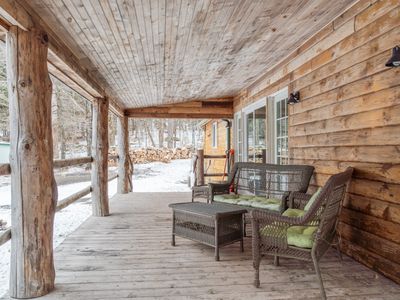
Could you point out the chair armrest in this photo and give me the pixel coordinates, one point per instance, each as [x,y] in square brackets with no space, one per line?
[218,189]
[298,200]
[263,218]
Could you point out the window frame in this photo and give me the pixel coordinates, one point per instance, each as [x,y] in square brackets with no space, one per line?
[214,135]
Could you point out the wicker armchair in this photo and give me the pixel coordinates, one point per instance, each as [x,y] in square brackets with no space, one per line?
[270,231]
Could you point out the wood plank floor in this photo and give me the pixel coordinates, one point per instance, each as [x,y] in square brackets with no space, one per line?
[128,255]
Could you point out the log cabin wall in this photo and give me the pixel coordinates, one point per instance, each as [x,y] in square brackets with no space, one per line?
[214,165]
[349,116]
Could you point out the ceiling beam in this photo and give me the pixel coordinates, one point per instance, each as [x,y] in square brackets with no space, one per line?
[63,63]
[216,108]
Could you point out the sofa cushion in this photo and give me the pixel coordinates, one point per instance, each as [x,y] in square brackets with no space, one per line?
[271,204]
[312,199]
[227,198]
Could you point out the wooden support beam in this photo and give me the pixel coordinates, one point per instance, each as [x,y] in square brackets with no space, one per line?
[123,153]
[200,109]
[200,167]
[33,187]
[100,157]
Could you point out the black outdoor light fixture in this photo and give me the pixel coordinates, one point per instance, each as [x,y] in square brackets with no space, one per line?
[294,98]
[394,61]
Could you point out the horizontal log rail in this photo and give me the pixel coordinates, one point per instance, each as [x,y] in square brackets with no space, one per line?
[5,236]
[112,177]
[74,197]
[214,156]
[62,163]
[5,169]
[215,174]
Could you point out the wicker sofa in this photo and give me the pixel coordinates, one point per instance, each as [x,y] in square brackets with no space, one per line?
[261,186]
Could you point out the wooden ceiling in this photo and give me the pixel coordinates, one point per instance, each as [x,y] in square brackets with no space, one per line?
[155,52]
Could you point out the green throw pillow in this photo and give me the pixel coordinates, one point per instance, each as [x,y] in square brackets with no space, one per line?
[293,212]
[312,199]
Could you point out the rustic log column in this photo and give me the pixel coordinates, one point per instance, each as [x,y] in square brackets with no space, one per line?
[123,154]
[100,157]
[200,167]
[33,188]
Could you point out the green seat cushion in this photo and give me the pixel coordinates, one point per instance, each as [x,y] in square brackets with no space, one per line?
[301,236]
[312,199]
[293,212]
[227,198]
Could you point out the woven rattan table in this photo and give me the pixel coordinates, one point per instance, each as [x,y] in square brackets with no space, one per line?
[214,224]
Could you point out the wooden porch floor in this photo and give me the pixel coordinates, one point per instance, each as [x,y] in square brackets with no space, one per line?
[128,255]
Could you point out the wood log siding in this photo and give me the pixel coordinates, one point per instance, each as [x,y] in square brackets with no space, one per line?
[349,116]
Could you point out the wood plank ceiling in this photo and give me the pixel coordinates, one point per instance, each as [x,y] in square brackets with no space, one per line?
[154,52]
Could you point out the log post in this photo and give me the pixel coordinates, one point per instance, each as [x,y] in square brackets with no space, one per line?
[123,154]
[33,187]
[100,157]
[200,167]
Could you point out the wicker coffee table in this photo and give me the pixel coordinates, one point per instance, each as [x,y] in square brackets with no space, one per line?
[214,224]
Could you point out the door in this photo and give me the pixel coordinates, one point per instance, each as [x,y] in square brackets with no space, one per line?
[254,129]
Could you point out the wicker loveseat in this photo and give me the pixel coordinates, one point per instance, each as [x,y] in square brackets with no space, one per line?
[261,186]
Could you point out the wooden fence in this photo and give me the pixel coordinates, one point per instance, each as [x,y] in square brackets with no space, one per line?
[5,169]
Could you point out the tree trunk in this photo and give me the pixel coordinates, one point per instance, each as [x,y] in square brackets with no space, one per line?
[170,141]
[34,191]
[161,134]
[149,134]
[100,157]
[123,153]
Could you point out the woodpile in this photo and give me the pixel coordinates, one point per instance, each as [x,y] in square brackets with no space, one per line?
[147,155]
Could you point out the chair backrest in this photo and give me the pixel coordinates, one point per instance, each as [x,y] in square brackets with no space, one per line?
[269,180]
[326,209]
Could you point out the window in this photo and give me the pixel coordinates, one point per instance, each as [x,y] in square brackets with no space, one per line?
[214,133]
[281,129]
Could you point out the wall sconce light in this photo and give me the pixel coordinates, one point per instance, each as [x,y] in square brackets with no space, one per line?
[294,98]
[394,61]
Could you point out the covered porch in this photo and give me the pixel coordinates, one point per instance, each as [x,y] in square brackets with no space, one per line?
[129,255]
[305,82]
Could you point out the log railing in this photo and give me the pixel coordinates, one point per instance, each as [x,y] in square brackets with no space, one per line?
[5,235]
[5,169]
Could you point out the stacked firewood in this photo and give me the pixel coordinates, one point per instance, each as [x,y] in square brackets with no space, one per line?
[146,155]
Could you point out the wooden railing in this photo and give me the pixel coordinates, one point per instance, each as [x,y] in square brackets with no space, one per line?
[5,169]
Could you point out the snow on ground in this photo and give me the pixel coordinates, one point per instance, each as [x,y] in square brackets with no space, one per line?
[152,177]
[162,177]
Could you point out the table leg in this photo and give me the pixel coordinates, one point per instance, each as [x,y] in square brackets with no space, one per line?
[243,224]
[216,240]
[173,229]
